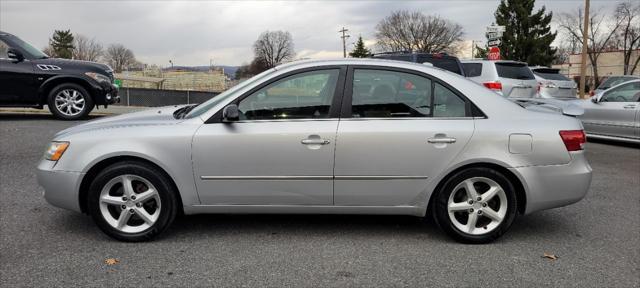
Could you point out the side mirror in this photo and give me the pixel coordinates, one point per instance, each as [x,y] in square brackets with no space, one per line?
[15,55]
[230,113]
[594,99]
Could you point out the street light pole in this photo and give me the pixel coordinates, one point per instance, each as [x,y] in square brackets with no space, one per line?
[585,44]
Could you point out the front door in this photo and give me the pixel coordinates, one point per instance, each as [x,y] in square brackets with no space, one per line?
[615,113]
[16,79]
[400,130]
[280,152]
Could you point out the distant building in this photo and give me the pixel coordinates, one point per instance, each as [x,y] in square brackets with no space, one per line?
[610,63]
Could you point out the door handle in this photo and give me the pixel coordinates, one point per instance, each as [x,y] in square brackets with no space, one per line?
[441,140]
[315,141]
[629,106]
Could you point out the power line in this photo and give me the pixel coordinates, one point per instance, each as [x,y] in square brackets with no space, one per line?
[344,41]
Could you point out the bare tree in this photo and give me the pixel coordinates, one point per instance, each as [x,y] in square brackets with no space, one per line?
[414,31]
[119,57]
[87,49]
[628,36]
[49,51]
[600,38]
[273,48]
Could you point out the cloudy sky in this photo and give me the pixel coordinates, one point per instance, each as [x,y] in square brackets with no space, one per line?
[194,32]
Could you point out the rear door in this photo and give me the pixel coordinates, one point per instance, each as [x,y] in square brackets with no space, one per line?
[517,80]
[615,113]
[281,151]
[398,129]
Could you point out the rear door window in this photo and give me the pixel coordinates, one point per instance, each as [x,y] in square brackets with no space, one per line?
[390,94]
[514,71]
[472,69]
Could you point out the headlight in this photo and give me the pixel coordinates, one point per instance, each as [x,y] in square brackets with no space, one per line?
[55,150]
[98,77]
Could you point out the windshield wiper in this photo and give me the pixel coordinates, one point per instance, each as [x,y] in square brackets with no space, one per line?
[182,112]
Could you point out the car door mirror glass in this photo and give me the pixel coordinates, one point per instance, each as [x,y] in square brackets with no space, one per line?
[14,54]
[230,113]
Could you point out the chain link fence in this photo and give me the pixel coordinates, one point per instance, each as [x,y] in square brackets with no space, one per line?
[155,98]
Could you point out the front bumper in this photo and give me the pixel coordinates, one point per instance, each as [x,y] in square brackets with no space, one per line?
[106,94]
[556,185]
[60,187]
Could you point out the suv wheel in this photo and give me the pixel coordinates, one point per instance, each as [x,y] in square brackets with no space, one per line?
[132,201]
[69,101]
[476,205]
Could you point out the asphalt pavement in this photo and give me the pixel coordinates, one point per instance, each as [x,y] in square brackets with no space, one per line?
[596,241]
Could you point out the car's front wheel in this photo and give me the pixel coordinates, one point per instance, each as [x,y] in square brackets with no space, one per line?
[476,205]
[69,101]
[132,201]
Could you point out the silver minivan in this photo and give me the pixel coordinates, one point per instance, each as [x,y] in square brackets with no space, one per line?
[552,84]
[508,78]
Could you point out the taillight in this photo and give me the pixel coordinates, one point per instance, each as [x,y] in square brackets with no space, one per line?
[493,85]
[573,139]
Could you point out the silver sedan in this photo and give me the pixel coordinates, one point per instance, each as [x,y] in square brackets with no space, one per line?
[334,137]
[613,114]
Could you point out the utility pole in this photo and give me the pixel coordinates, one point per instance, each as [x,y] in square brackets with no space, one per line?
[585,46]
[344,41]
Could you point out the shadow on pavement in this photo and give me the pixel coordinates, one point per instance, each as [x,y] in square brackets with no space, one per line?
[201,227]
[10,116]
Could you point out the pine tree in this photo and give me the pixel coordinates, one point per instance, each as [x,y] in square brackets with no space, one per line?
[62,43]
[360,51]
[527,36]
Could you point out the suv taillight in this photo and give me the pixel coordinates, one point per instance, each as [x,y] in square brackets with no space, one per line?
[573,139]
[493,85]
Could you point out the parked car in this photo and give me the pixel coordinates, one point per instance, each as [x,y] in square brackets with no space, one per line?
[614,114]
[311,137]
[439,60]
[613,81]
[69,88]
[508,78]
[552,84]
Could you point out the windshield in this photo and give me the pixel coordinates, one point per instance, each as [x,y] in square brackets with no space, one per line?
[613,81]
[514,71]
[204,107]
[33,52]
[448,64]
[552,76]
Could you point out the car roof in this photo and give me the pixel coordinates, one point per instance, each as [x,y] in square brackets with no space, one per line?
[354,61]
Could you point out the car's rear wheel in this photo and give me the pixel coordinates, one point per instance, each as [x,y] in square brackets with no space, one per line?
[69,101]
[476,205]
[132,201]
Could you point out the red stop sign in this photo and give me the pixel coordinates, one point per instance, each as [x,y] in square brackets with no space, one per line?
[494,53]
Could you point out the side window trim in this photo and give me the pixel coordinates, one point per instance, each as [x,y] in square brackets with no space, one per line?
[334,110]
[347,96]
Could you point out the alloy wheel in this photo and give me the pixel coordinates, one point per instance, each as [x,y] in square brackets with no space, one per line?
[130,203]
[69,102]
[477,206]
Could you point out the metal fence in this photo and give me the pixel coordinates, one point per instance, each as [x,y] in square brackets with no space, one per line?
[156,98]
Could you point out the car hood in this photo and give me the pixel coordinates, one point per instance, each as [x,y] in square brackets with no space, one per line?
[150,117]
[70,64]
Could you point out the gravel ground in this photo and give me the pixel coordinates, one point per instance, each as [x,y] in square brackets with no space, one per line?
[596,240]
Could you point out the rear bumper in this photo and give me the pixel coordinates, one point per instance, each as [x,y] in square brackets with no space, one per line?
[556,185]
[60,187]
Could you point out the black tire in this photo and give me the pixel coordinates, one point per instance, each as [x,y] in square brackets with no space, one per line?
[441,213]
[166,191]
[86,109]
